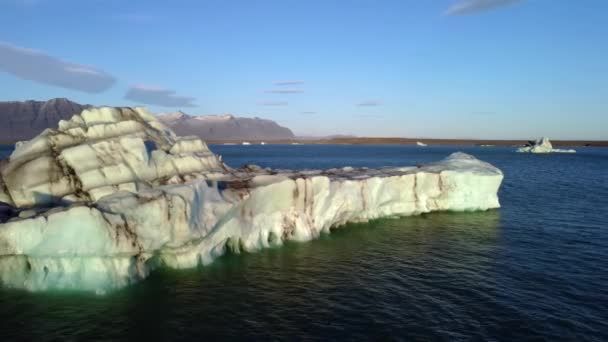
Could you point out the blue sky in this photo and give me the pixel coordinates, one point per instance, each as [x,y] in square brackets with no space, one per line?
[409,68]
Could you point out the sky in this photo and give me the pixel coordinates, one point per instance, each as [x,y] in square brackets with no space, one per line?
[505,69]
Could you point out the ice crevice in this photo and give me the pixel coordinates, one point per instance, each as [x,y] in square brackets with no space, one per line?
[112,194]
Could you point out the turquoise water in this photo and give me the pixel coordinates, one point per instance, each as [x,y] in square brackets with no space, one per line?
[534,269]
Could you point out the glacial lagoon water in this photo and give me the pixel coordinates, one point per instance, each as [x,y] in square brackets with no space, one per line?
[535,269]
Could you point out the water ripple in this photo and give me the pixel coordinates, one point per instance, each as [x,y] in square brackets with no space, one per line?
[533,270]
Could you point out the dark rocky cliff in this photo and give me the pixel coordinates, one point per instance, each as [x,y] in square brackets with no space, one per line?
[24,120]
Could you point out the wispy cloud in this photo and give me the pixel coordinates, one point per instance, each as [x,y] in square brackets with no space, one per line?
[153,95]
[308,113]
[288,83]
[272,103]
[285,91]
[37,66]
[370,103]
[464,7]
[21,2]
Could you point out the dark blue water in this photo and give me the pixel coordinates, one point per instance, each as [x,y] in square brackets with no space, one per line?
[535,269]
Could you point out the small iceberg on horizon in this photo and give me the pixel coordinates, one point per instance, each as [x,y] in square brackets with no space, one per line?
[542,145]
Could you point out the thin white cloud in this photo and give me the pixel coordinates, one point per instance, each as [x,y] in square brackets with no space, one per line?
[308,113]
[464,7]
[159,96]
[22,2]
[82,70]
[370,103]
[288,83]
[34,65]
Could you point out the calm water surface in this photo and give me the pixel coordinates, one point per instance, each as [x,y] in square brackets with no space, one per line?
[535,269]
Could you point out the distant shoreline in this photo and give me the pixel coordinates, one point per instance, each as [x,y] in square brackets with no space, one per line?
[399,141]
[410,141]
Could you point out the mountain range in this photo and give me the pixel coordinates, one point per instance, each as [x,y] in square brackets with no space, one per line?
[23,120]
[225,127]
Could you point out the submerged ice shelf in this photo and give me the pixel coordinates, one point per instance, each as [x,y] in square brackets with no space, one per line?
[112,194]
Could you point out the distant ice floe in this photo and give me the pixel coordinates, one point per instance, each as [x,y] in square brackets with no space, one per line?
[113,194]
[421,144]
[542,145]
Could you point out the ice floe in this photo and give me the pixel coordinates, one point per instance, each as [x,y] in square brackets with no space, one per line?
[542,145]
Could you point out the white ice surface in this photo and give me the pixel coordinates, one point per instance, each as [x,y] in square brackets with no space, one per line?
[94,153]
[543,145]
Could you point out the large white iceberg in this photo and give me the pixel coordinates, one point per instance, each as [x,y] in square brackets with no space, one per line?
[542,145]
[112,194]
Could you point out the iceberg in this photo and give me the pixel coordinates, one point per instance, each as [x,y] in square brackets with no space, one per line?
[421,144]
[112,194]
[542,145]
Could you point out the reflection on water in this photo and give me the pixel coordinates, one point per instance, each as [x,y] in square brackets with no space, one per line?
[370,275]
